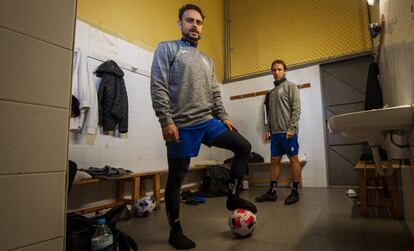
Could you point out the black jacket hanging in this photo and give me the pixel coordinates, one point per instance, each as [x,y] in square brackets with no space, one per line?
[112,97]
[373,94]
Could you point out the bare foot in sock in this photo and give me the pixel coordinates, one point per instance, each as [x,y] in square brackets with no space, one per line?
[234,202]
[179,241]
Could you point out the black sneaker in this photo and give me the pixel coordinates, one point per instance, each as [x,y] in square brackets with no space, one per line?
[185,194]
[234,202]
[292,198]
[268,196]
[179,241]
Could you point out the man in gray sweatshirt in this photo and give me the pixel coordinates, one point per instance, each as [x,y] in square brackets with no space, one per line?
[282,112]
[187,102]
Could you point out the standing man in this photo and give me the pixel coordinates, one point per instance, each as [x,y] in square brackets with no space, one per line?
[187,102]
[282,112]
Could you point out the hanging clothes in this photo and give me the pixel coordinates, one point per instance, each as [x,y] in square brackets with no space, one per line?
[75,107]
[112,98]
[373,94]
[83,88]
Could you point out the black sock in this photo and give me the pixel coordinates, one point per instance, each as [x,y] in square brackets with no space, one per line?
[177,238]
[295,187]
[273,185]
[233,199]
[234,188]
[174,219]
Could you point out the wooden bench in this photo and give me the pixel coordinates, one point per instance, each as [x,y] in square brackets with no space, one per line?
[367,171]
[136,182]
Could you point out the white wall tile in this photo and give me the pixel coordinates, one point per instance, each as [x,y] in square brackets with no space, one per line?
[91,154]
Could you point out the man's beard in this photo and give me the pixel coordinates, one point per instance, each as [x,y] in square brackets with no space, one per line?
[191,39]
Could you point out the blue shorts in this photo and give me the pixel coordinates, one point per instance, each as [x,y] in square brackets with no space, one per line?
[191,137]
[280,145]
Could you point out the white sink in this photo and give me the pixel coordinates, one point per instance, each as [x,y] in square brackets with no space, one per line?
[373,125]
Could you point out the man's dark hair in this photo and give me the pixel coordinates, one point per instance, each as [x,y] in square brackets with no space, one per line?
[278,61]
[189,7]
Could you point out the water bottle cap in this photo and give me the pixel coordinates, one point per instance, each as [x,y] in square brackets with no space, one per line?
[101,221]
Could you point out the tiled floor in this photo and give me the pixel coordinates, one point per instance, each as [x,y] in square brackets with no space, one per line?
[324,219]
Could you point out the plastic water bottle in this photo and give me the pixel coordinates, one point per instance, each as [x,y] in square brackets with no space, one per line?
[103,238]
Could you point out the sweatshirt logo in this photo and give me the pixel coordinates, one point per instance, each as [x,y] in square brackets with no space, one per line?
[205,61]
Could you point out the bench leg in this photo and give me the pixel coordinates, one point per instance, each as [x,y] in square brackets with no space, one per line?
[142,187]
[135,192]
[120,190]
[396,203]
[156,187]
[363,193]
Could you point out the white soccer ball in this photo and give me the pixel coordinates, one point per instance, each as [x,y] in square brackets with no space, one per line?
[145,205]
[242,222]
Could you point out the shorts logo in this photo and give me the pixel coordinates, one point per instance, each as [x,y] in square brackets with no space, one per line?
[292,149]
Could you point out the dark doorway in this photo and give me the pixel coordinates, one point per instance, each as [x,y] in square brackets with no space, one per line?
[343,91]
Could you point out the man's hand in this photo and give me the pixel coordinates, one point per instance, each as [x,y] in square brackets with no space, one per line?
[229,125]
[266,136]
[289,135]
[170,133]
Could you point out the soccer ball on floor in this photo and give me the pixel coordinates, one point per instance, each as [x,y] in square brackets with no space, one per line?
[242,222]
[145,205]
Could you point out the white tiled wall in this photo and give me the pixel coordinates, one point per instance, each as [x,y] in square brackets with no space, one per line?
[144,148]
[247,114]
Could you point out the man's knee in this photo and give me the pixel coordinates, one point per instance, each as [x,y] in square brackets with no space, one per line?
[247,147]
[275,161]
[294,159]
[244,147]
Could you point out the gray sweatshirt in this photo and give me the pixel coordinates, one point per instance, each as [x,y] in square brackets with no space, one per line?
[284,109]
[184,88]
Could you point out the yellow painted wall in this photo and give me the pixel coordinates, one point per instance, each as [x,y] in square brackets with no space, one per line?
[147,22]
[298,31]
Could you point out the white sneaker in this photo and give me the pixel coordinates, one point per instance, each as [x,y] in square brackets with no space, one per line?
[245,184]
[351,193]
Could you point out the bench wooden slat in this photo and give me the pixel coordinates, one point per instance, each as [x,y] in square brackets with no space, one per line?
[364,165]
[98,208]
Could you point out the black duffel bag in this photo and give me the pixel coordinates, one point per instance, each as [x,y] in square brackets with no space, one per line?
[80,230]
[216,181]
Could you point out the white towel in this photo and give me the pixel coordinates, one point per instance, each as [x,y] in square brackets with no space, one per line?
[83,88]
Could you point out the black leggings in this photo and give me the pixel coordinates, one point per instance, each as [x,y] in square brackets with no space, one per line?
[178,168]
